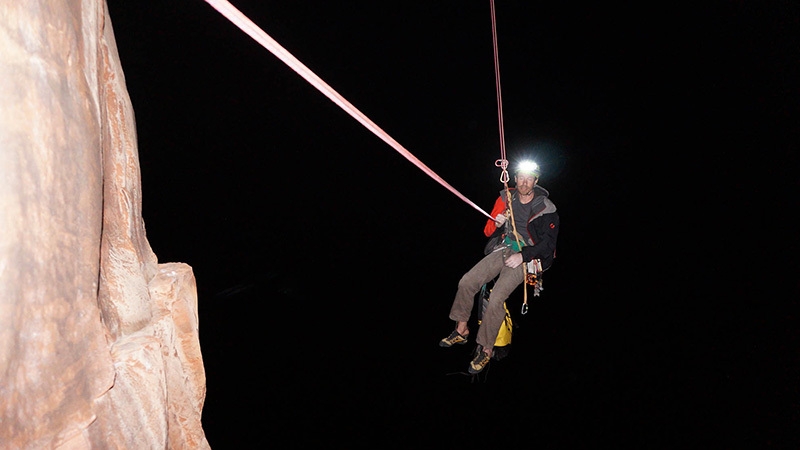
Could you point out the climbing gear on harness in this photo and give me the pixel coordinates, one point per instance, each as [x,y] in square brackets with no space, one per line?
[455,338]
[533,277]
[533,271]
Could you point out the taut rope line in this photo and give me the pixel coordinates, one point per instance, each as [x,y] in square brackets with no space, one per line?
[245,24]
[503,162]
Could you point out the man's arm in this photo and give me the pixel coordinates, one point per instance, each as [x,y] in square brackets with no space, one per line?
[491,225]
[544,246]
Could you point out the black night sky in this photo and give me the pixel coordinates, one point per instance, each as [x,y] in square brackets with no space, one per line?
[326,262]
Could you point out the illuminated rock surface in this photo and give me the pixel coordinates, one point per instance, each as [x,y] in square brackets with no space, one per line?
[99,344]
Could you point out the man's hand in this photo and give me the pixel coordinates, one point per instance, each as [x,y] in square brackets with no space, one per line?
[514,260]
[500,220]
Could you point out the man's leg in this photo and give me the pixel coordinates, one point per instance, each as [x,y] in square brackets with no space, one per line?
[461,310]
[481,273]
[495,313]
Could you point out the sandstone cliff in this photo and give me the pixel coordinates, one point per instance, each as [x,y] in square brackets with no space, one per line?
[99,344]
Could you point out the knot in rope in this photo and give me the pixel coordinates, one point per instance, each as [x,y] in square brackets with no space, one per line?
[503,164]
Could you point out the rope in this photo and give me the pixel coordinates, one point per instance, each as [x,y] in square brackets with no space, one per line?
[499,96]
[503,162]
[519,244]
[246,25]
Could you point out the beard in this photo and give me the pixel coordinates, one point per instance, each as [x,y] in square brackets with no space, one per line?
[525,190]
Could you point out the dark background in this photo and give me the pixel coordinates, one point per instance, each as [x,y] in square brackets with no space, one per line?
[326,262]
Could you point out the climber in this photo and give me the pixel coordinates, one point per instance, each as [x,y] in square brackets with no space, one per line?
[531,235]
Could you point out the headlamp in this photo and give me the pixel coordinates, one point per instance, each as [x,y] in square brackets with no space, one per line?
[528,167]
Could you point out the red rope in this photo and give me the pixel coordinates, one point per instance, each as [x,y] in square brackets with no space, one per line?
[246,25]
[502,162]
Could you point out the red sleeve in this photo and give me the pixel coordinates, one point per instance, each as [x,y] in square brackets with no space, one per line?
[499,207]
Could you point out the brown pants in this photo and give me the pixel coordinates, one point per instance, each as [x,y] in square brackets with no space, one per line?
[481,273]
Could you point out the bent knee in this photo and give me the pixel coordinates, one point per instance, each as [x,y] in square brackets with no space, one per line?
[469,284]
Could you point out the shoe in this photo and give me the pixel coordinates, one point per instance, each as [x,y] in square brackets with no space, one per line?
[479,362]
[453,339]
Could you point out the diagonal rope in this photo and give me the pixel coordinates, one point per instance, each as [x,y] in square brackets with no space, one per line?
[245,24]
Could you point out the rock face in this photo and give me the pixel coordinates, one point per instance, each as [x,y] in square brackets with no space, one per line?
[99,344]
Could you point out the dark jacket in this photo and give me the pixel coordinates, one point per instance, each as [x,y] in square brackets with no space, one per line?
[542,226]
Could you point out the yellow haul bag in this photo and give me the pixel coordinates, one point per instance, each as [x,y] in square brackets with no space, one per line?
[504,335]
[506,328]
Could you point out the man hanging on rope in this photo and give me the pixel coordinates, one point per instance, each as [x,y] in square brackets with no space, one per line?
[530,236]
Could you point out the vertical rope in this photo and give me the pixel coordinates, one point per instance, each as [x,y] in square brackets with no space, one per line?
[503,161]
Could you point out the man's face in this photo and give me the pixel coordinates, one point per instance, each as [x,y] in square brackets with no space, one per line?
[525,183]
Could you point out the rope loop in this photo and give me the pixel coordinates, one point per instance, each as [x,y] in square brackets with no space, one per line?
[503,164]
